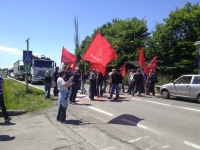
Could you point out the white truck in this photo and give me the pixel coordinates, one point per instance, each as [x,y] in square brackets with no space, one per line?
[18,70]
[38,67]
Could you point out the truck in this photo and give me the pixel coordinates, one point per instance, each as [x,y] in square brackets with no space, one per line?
[10,72]
[18,68]
[37,68]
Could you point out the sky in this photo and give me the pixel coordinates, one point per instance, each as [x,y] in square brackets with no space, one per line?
[50,23]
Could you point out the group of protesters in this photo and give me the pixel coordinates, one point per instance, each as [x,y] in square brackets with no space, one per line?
[67,84]
[141,82]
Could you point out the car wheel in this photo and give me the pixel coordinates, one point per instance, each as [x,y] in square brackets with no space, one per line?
[165,94]
[198,98]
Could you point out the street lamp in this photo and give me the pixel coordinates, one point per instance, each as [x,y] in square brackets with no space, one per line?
[198,43]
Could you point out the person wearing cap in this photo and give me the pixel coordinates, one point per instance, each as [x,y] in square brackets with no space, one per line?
[75,85]
[55,78]
[92,79]
[63,96]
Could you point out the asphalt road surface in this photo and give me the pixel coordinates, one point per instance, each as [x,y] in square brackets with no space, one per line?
[131,123]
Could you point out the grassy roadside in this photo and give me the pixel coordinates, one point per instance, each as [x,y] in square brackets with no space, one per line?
[15,97]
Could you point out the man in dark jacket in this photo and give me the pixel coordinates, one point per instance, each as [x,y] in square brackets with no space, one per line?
[99,84]
[115,79]
[121,79]
[75,85]
[139,80]
[55,78]
[92,79]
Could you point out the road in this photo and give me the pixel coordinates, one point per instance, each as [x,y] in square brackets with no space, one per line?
[146,123]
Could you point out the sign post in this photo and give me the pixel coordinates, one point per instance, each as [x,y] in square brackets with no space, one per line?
[27,57]
[198,43]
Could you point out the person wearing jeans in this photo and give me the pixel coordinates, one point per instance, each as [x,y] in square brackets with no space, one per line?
[47,82]
[63,96]
[2,105]
[115,79]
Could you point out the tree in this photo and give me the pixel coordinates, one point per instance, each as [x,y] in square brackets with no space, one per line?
[124,36]
[76,40]
[173,41]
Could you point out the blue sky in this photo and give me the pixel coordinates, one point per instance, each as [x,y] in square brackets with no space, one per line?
[50,23]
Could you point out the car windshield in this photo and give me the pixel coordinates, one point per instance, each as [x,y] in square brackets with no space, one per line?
[40,63]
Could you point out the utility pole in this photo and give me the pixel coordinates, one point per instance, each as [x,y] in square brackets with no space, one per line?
[198,43]
[27,41]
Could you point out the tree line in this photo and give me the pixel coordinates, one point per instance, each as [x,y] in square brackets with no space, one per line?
[172,41]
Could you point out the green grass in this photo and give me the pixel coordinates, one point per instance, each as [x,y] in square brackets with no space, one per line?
[16,98]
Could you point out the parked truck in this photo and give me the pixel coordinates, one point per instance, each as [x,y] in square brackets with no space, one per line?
[38,67]
[19,70]
[11,72]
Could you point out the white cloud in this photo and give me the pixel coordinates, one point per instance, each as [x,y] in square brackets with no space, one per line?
[14,51]
[2,67]
[10,50]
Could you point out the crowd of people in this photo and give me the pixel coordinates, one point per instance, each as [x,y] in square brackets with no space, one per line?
[67,84]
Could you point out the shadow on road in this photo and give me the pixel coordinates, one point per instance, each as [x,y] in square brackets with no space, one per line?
[82,104]
[6,138]
[184,100]
[7,124]
[126,119]
[75,122]
[120,100]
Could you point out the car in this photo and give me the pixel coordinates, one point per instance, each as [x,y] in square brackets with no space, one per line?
[186,86]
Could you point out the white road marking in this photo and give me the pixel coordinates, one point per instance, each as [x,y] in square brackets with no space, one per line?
[188,108]
[151,102]
[192,144]
[133,123]
[81,95]
[165,147]
[140,138]
[99,110]
[141,126]
[159,103]
[136,99]
[109,148]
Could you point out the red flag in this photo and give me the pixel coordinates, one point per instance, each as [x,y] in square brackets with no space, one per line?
[141,60]
[73,66]
[152,65]
[67,57]
[100,51]
[98,67]
[123,70]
